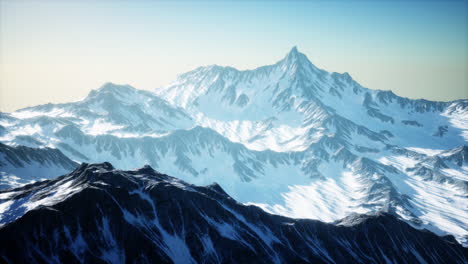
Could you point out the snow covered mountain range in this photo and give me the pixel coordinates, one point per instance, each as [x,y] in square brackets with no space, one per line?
[289,137]
[98,214]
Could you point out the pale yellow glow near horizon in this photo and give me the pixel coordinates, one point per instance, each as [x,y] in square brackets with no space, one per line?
[33,84]
[56,52]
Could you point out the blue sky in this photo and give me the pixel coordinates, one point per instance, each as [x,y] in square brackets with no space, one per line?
[58,50]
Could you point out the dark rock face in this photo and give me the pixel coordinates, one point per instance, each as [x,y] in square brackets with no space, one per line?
[459,156]
[441,131]
[20,156]
[411,123]
[20,165]
[97,214]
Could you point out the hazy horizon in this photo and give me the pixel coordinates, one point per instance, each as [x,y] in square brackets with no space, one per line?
[55,52]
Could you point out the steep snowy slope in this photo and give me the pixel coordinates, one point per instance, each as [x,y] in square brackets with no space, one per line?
[367,147]
[290,105]
[20,165]
[120,110]
[99,214]
[289,137]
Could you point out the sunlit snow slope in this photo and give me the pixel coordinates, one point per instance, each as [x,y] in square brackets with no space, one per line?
[289,137]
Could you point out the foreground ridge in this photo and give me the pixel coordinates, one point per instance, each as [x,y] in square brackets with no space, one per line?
[100,214]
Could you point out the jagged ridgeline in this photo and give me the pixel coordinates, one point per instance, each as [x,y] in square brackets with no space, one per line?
[99,214]
[289,137]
